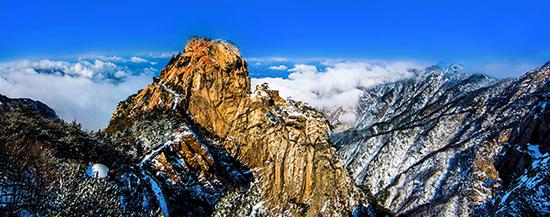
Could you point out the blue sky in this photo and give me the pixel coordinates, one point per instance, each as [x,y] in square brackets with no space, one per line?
[90,55]
[474,33]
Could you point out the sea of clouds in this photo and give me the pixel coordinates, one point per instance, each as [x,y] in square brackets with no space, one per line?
[84,89]
[334,84]
[87,89]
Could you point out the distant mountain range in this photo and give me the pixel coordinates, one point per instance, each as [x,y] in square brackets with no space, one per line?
[449,143]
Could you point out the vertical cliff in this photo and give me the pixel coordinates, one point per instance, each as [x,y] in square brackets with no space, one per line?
[284,143]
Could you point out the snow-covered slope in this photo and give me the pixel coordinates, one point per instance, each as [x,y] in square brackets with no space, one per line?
[428,145]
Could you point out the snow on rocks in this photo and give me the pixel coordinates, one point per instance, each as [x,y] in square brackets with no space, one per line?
[423,140]
[158,193]
[98,171]
[157,150]
[534,151]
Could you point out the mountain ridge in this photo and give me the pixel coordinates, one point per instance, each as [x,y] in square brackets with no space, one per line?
[420,140]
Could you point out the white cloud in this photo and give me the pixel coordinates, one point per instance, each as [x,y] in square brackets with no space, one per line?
[93,69]
[120,74]
[339,85]
[109,58]
[279,59]
[138,60]
[163,55]
[267,59]
[303,68]
[81,91]
[279,67]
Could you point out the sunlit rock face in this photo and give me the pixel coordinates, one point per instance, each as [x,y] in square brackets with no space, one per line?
[280,150]
[433,145]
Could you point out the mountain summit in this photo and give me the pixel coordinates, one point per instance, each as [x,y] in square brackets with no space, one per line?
[284,143]
[207,81]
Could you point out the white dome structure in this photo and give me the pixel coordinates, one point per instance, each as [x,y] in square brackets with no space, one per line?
[98,171]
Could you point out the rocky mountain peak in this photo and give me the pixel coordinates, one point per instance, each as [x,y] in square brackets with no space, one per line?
[284,143]
[208,81]
[200,59]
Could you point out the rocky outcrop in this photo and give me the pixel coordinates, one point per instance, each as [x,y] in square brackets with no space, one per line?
[284,143]
[429,145]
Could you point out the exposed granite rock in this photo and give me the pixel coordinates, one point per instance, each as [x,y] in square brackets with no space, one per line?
[285,143]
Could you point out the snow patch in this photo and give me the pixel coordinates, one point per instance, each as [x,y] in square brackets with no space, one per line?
[158,194]
[534,151]
[98,171]
[154,152]
[257,209]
